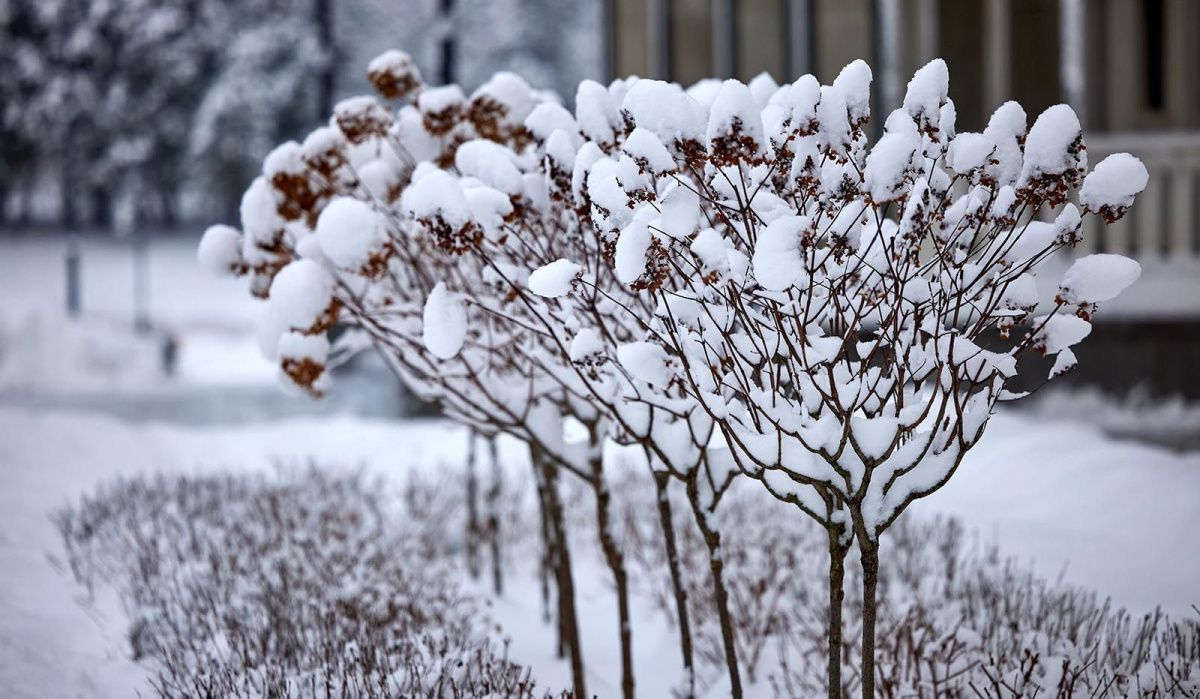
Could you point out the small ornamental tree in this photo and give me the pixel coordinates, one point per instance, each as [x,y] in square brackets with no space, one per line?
[729,277]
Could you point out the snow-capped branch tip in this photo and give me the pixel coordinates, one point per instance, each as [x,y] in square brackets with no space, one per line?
[555,279]
[220,251]
[394,75]
[444,323]
[302,298]
[1109,189]
[1098,278]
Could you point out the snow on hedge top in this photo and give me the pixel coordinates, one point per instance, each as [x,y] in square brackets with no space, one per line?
[1110,188]
[645,147]
[927,93]
[286,158]
[220,250]
[799,101]
[438,99]
[555,279]
[548,117]
[511,91]
[437,193]
[490,163]
[891,160]
[595,113]
[778,262]
[1049,144]
[445,322]
[969,151]
[1005,128]
[854,84]
[734,111]
[1098,278]
[301,295]
[666,110]
[350,233]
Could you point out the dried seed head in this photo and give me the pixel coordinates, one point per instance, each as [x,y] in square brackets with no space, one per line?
[362,118]
[394,75]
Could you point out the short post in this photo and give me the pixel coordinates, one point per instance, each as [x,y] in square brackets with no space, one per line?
[74,290]
[141,282]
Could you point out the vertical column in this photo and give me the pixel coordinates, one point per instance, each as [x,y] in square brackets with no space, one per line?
[446,47]
[608,38]
[1071,57]
[887,57]
[997,74]
[724,38]
[658,39]
[1124,44]
[1183,207]
[927,31]
[1147,235]
[800,19]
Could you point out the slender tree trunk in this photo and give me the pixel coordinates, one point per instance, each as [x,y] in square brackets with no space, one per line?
[25,199]
[616,565]
[869,554]
[564,574]
[712,540]
[473,529]
[170,214]
[661,481]
[837,574]
[101,208]
[68,213]
[493,517]
[547,550]
[323,18]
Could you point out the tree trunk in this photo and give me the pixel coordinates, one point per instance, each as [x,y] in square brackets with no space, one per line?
[101,208]
[324,19]
[68,213]
[547,550]
[661,481]
[616,565]
[837,574]
[712,540]
[869,554]
[493,518]
[564,575]
[473,530]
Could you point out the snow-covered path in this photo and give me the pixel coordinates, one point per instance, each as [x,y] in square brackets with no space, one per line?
[1121,517]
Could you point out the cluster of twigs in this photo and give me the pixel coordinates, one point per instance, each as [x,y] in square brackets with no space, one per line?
[297,586]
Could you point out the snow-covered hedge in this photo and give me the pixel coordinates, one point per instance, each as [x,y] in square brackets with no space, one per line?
[300,586]
[731,277]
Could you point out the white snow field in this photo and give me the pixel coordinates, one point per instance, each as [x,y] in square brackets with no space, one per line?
[1119,517]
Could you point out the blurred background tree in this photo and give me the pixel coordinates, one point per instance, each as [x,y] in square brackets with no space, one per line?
[135,113]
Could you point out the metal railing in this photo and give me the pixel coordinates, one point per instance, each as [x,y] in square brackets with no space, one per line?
[1165,220]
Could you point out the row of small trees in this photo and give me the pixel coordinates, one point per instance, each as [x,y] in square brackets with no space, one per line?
[728,277]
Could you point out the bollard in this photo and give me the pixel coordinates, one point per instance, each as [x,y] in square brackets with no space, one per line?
[74,290]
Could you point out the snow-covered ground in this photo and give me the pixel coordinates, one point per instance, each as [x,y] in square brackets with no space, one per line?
[84,401]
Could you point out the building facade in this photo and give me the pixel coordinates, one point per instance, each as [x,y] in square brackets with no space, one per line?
[1130,68]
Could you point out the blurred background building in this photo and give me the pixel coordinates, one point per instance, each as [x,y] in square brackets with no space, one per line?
[1129,68]
[152,116]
